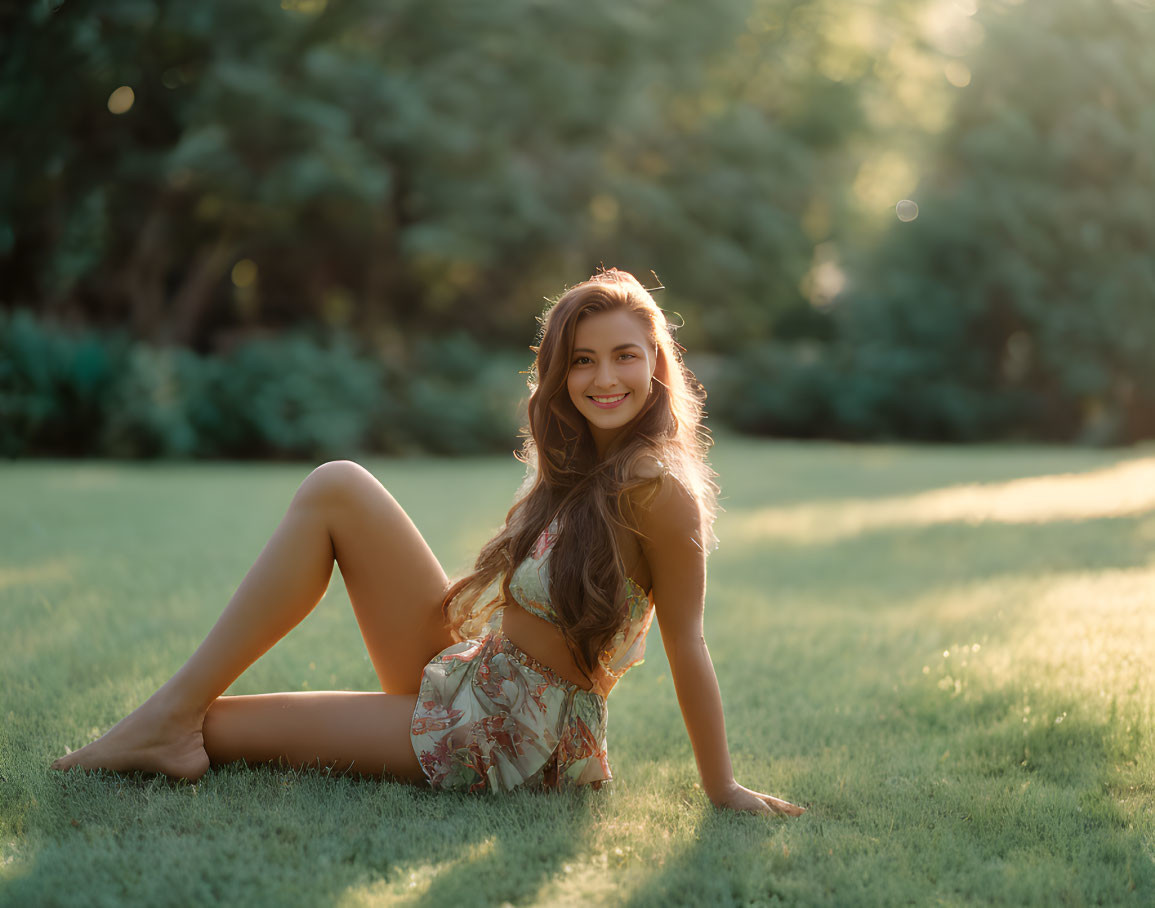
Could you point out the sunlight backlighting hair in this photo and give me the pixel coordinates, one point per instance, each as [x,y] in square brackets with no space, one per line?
[591,497]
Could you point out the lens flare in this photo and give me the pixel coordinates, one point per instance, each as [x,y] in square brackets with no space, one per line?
[906,210]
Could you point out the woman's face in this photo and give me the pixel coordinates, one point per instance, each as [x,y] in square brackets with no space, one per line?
[610,371]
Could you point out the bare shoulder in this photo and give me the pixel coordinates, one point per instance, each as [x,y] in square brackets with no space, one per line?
[670,527]
[649,467]
[672,514]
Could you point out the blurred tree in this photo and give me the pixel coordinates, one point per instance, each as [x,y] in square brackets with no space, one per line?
[396,169]
[394,166]
[1022,298]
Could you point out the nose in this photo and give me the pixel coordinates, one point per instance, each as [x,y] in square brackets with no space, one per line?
[606,377]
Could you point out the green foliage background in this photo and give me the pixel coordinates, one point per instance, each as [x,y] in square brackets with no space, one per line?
[390,171]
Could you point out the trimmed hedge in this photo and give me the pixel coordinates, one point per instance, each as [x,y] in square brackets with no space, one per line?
[812,389]
[100,394]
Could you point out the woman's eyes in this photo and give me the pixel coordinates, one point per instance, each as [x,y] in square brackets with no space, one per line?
[582,360]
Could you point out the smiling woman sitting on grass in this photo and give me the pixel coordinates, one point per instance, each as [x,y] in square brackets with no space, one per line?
[498,680]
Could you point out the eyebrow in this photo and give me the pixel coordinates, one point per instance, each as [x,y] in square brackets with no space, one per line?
[615,350]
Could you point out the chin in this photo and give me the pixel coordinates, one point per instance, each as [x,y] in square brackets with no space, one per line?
[602,420]
[611,425]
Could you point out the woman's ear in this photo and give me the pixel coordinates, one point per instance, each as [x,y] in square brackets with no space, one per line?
[660,370]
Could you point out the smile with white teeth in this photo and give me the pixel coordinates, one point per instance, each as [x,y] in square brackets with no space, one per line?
[609,400]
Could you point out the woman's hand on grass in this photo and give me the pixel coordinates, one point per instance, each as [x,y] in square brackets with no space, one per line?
[740,798]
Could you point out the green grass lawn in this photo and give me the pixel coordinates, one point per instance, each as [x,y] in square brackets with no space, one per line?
[948,654]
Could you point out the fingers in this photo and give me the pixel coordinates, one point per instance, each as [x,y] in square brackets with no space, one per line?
[784,808]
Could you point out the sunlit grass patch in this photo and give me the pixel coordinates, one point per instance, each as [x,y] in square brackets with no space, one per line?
[1121,490]
[944,653]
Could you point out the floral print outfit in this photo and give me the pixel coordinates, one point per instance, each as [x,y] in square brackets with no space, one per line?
[490,717]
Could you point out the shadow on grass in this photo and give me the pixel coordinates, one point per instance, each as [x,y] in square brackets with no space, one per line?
[266,836]
[919,784]
[861,614]
[917,560]
[1014,772]
[959,812]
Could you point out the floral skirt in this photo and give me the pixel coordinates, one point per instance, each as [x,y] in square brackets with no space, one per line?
[490,717]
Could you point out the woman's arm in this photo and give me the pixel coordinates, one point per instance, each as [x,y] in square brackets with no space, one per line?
[672,530]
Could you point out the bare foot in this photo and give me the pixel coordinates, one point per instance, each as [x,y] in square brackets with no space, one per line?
[149,739]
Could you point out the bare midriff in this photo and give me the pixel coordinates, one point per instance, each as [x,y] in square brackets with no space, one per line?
[543,641]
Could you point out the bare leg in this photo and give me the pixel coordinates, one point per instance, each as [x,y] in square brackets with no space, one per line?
[363,733]
[395,583]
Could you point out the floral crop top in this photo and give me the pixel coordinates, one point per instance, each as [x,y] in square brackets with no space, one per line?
[529,585]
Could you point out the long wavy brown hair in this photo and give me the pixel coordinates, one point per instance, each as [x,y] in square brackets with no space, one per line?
[587,495]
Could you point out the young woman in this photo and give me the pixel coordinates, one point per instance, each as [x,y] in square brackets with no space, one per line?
[498,680]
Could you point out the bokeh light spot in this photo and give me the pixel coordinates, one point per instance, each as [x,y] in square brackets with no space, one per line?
[906,210]
[244,273]
[604,208]
[305,7]
[957,73]
[826,279]
[121,100]
[883,177]
[337,306]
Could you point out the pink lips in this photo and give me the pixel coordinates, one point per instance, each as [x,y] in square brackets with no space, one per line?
[610,406]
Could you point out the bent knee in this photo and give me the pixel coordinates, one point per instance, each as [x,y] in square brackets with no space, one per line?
[336,481]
